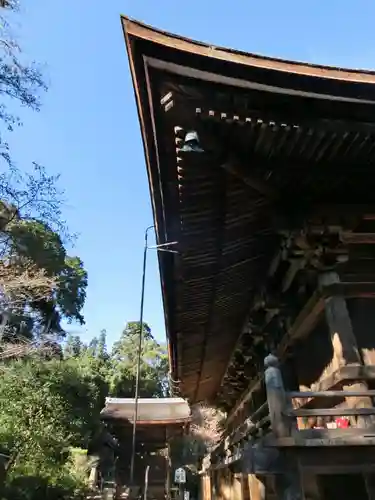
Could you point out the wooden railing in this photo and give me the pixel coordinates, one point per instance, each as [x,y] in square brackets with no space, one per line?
[283,416]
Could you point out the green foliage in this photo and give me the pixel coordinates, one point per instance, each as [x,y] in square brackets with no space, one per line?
[71,290]
[35,240]
[49,409]
[153,368]
[45,407]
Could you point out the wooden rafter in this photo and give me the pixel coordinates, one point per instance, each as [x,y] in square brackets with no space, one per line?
[235,168]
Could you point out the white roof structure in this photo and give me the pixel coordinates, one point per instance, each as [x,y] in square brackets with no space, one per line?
[150,410]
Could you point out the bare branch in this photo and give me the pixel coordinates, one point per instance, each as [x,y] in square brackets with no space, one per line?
[22,281]
[207,424]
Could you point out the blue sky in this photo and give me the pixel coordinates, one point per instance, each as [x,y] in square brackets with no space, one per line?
[88,127]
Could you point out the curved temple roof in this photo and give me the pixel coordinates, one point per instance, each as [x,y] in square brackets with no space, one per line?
[150,410]
[278,136]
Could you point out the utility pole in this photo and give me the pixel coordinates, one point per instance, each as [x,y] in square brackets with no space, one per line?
[160,248]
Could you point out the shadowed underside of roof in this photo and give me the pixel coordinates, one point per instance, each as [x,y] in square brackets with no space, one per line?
[278,138]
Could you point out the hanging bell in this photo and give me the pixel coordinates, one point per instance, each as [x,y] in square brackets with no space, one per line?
[191,143]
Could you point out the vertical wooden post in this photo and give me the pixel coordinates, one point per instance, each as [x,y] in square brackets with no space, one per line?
[370,485]
[93,478]
[310,485]
[257,488]
[276,398]
[208,486]
[168,472]
[219,476]
[237,487]
[346,351]
[288,486]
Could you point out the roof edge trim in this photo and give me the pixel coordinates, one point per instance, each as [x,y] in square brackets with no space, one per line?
[244,84]
[143,31]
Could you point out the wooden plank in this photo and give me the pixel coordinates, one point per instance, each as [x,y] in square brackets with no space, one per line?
[351,238]
[345,375]
[337,433]
[248,427]
[342,210]
[335,437]
[296,441]
[330,394]
[330,412]
[257,488]
[350,289]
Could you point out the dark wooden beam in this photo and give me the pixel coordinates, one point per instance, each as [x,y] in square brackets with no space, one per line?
[244,173]
[304,323]
[295,118]
[351,238]
[340,215]
[364,211]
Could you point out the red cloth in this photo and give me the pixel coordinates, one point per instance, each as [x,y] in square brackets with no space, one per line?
[342,423]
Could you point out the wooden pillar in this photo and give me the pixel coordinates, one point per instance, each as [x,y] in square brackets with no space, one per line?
[288,486]
[245,487]
[257,488]
[276,398]
[237,487]
[346,351]
[370,485]
[206,486]
[221,484]
[229,484]
[168,471]
[310,486]
[345,348]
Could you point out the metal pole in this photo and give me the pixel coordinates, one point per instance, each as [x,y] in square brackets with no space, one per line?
[146,482]
[139,357]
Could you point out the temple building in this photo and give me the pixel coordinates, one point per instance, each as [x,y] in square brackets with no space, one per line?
[263,171]
[159,420]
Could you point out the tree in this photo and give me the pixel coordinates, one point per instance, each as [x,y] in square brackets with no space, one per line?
[73,346]
[153,369]
[33,233]
[19,80]
[49,406]
[32,245]
[46,407]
